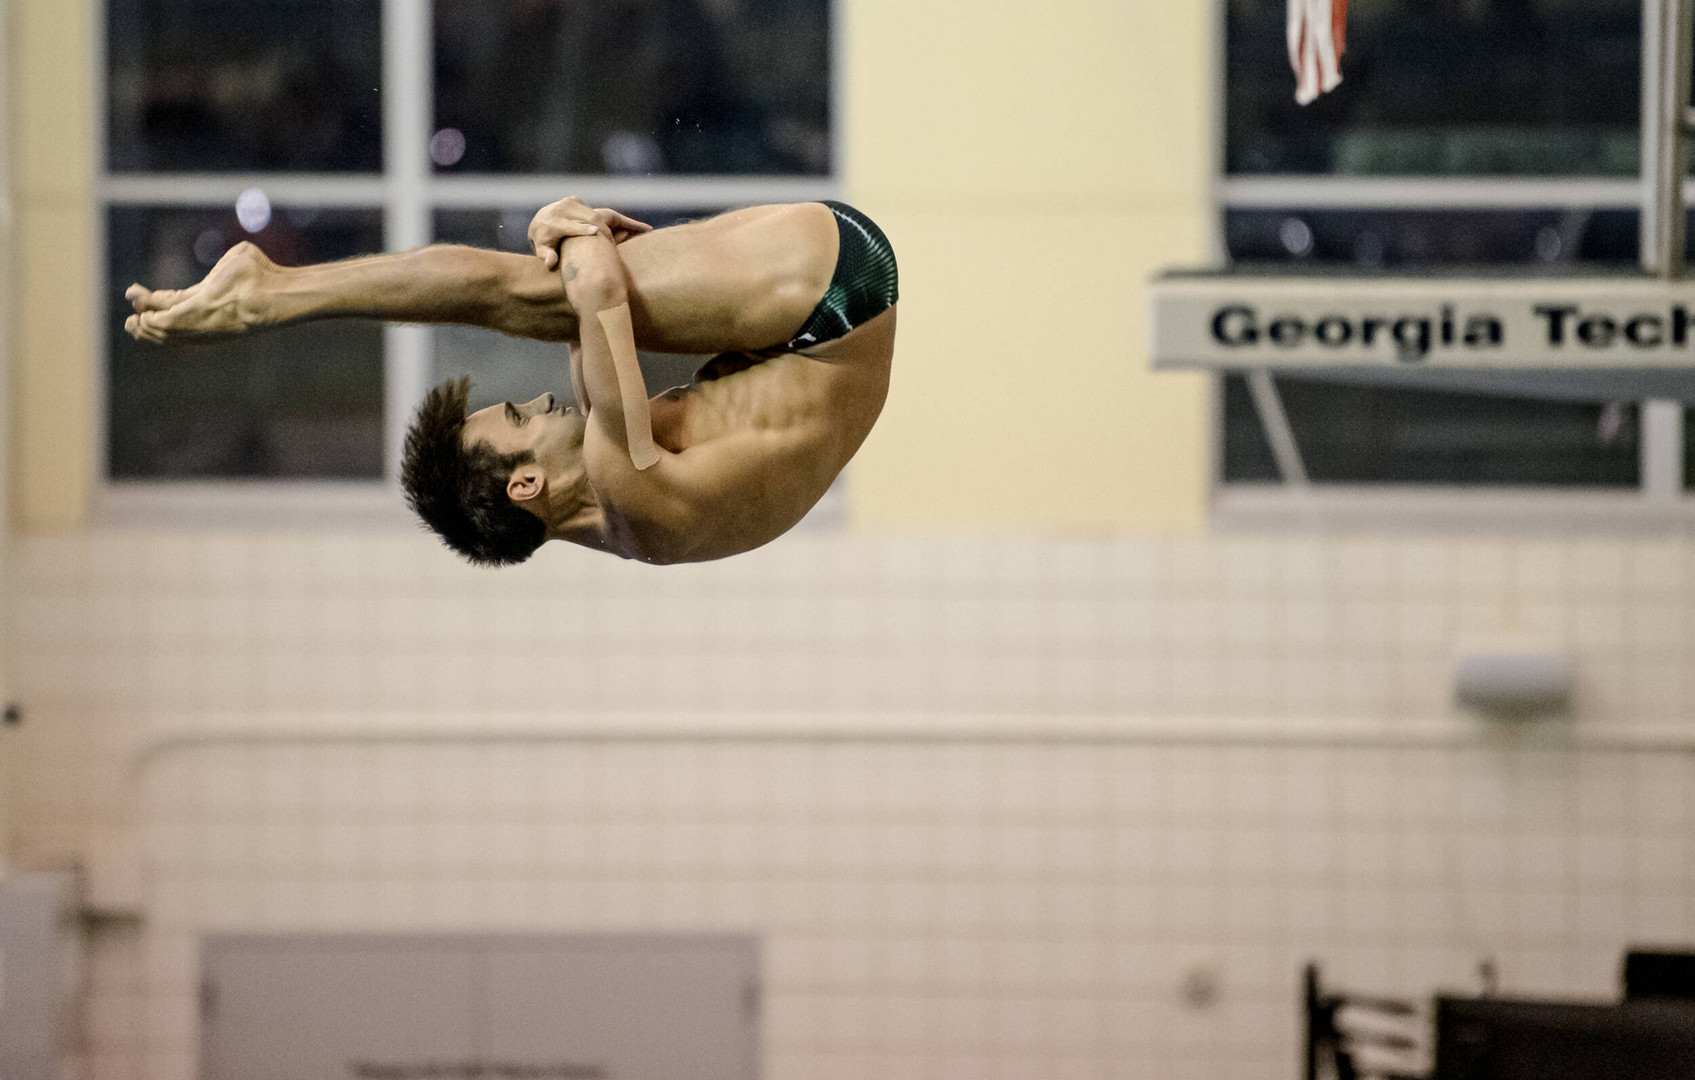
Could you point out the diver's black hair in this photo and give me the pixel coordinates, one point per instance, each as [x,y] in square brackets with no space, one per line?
[460,491]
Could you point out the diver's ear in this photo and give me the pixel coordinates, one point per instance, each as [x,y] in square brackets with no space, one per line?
[526,482]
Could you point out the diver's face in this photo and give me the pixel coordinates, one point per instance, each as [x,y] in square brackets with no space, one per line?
[553,432]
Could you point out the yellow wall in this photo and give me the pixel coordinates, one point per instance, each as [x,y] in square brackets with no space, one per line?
[1032,170]
[57,317]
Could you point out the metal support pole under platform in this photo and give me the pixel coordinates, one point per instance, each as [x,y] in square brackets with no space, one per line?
[1667,29]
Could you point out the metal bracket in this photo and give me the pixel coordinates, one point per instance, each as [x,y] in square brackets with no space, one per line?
[1284,450]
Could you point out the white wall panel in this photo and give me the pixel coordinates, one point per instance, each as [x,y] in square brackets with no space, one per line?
[1119,760]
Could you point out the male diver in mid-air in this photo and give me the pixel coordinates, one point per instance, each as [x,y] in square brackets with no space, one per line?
[797,301]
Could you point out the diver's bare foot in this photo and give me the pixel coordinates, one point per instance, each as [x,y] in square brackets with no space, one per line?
[223,303]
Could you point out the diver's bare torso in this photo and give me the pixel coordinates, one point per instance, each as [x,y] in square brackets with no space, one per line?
[790,422]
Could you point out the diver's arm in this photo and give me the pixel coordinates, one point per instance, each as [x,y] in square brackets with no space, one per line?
[442,283]
[604,367]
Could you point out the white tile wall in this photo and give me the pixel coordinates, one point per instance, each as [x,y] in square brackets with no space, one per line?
[986,909]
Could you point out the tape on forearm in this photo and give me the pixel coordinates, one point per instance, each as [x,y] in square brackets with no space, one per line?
[638,423]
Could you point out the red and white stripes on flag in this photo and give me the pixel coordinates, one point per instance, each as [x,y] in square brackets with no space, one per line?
[1317,36]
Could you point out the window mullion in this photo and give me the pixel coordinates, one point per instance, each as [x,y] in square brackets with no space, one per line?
[672,192]
[1316,192]
[1662,451]
[210,189]
[407,106]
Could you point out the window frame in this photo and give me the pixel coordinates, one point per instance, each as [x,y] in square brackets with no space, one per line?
[1660,501]
[407,192]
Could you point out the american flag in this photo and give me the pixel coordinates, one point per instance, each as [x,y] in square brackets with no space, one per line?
[1317,36]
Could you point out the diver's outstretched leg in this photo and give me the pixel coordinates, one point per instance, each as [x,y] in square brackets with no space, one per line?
[442,283]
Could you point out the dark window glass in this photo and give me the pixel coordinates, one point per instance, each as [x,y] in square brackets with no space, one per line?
[1526,240]
[633,86]
[208,85]
[1444,87]
[1366,434]
[303,401]
[513,369]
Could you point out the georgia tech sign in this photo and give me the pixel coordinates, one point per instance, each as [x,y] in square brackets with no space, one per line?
[1226,320]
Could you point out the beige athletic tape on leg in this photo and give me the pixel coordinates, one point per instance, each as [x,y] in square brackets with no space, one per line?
[638,423]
